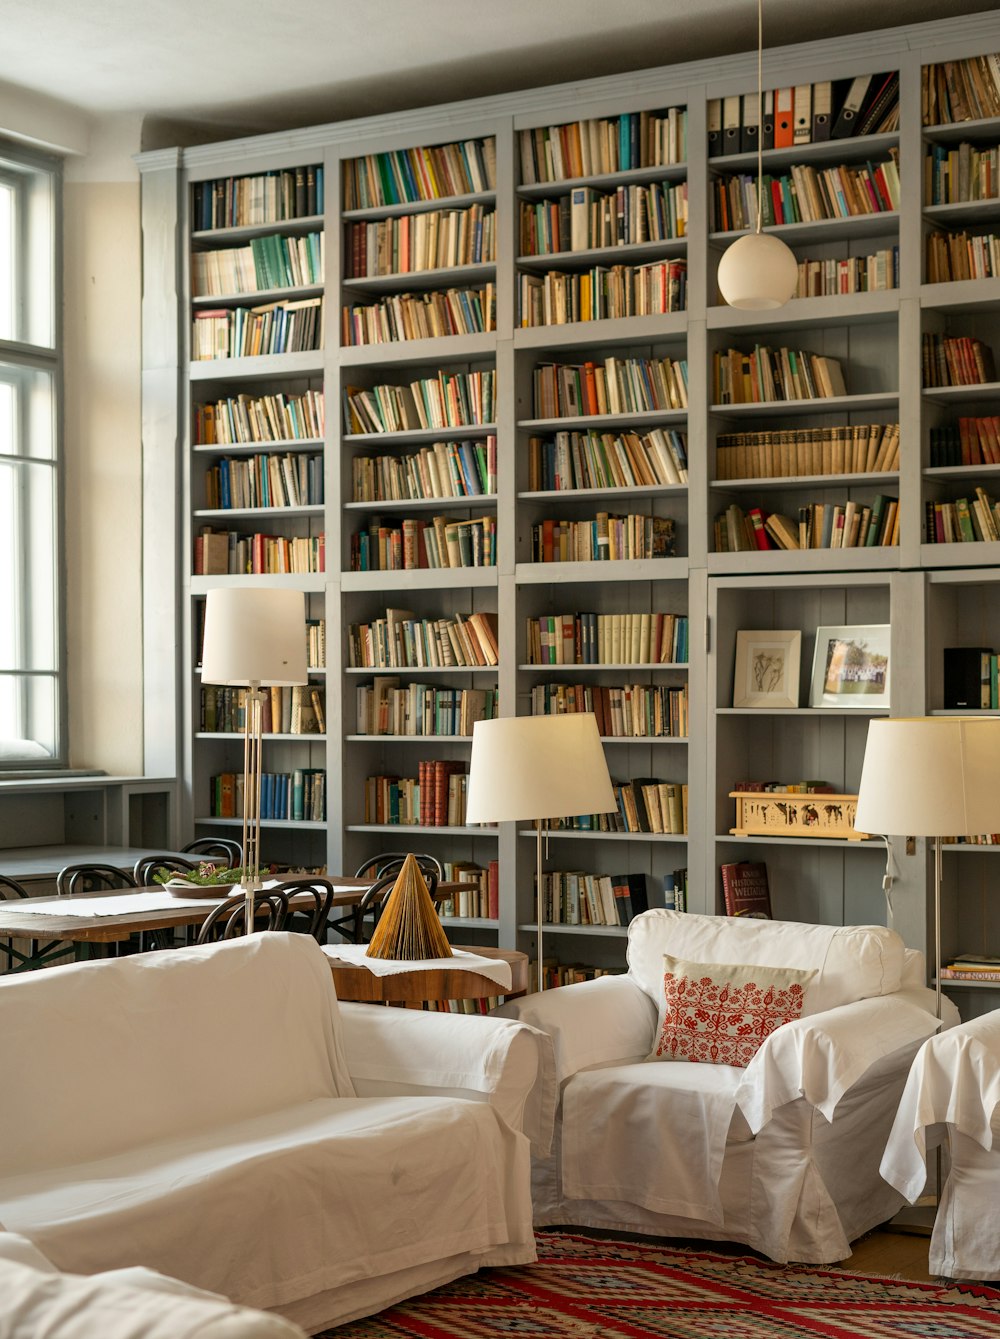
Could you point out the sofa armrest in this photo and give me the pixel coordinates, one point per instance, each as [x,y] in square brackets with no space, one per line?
[820,1057]
[416,1053]
[590,1023]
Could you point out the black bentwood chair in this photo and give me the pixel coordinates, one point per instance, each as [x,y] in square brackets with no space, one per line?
[40,952]
[228,919]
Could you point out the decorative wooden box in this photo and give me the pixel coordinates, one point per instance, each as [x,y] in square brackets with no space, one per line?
[779,814]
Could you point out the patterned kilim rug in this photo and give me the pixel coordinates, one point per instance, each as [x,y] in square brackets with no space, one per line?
[595,1288]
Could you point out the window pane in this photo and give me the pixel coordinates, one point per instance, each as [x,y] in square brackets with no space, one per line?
[27,566]
[27,268]
[27,412]
[28,726]
[7,202]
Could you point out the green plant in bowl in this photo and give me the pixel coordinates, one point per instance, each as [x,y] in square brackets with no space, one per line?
[207,875]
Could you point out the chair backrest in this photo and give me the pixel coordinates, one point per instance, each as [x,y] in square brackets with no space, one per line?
[148,865]
[217,848]
[87,878]
[376,897]
[228,919]
[391,862]
[322,900]
[852,962]
[10,888]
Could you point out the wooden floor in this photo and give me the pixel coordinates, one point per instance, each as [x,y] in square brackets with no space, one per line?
[899,1254]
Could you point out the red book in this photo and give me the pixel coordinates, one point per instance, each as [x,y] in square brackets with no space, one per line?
[493,896]
[760,535]
[745,889]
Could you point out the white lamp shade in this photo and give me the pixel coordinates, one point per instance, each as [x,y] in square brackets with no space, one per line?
[254,636]
[931,776]
[527,767]
[758,272]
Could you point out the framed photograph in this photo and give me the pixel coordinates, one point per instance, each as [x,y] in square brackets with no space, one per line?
[851,667]
[767,668]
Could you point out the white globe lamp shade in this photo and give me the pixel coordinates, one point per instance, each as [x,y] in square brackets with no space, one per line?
[758,272]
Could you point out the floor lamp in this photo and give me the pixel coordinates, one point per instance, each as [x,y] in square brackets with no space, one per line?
[931,776]
[538,767]
[254,638]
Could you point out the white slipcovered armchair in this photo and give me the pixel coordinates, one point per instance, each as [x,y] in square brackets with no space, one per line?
[954,1089]
[782,1155]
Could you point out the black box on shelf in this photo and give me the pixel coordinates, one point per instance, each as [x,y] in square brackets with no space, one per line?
[964,669]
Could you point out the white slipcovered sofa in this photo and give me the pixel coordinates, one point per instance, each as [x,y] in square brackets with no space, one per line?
[782,1154]
[39,1302]
[195,1112]
[953,1091]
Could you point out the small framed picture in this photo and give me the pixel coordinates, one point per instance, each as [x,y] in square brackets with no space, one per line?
[767,668]
[851,667]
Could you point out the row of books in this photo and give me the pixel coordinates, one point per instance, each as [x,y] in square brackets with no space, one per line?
[299,710]
[820,525]
[849,448]
[481,902]
[970,441]
[298,796]
[967,520]
[573,897]
[446,311]
[806,787]
[805,194]
[875,273]
[955,360]
[587,219]
[449,400]
[267,197]
[607,538]
[443,469]
[616,386]
[962,255]
[417,543]
[436,239]
[633,711]
[428,173]
[267,480]
[248,419]
[232,553]
[607,639]
[604,292]
[315,642]
[768,375]
[266,262]
[386,708]
[960,90]
[566,974]
[804,114]
[402,641]
[602,145]
[253,332]
[645,804]
[569,460]
[954,175]
[435,798]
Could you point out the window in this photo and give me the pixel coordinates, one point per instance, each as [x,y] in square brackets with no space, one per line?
[31,689]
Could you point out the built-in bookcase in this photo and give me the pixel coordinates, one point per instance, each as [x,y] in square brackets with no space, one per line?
[554,264]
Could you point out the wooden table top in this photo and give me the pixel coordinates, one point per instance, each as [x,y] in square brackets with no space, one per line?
[24,919]
[355,983]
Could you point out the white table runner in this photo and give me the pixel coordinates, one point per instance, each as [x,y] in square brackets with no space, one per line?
[125,905]
[496,969]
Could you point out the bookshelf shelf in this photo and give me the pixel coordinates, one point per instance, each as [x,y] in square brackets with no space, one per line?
[558,834]
[566,928]
[941,594]
[269,737]
[278,824]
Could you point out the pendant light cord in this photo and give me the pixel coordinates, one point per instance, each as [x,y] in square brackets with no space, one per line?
[760,108]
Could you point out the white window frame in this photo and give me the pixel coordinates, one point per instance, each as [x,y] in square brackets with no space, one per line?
[35,347]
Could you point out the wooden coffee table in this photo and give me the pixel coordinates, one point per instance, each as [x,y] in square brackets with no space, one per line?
[414,988]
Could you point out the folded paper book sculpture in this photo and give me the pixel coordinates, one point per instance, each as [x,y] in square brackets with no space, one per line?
[409,928]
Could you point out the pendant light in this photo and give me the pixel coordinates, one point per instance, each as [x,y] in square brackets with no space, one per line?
[758,272]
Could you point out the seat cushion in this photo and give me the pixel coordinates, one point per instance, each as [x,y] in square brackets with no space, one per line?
[289,1204]
[851,962]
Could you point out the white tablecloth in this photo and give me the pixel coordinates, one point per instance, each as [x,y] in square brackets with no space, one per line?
[496,969]
[125,905]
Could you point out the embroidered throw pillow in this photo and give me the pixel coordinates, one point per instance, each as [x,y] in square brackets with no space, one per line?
[720,1014]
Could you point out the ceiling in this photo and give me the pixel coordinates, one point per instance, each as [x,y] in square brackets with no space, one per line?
[208,69]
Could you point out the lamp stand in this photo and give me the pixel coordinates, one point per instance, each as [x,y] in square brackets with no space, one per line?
[937,927]
[539,900]
[252,754]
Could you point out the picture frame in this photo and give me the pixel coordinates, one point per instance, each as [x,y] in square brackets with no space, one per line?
[851,667]
[767,668]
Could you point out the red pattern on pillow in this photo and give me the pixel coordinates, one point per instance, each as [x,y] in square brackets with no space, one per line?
[722,1022]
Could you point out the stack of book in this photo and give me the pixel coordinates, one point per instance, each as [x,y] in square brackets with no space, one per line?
[606,538]
[588,219]
[972,441]
[607,639]
[481,902]
[426,173]
[806,194]
[443,469]
[435,239]
[573,897]
[298,796]
[451,311]
[253,332]
[633,711]
[804,114]
[416,543]
[616,386]
[241,482]
[449,400]
[962,255]
[972,967]
[770,375]
[956,360]
[270,197]
[874,273]
[569,460]
[960,90]
[955,175]
[385,708]
[435,798]
[315,642]
[820,525]
[300,710]
[402,641]
[964,521]
[266,262]
[248,419]
[604,292]
[603,145]
[645,804]
[854,448]
[233,553]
